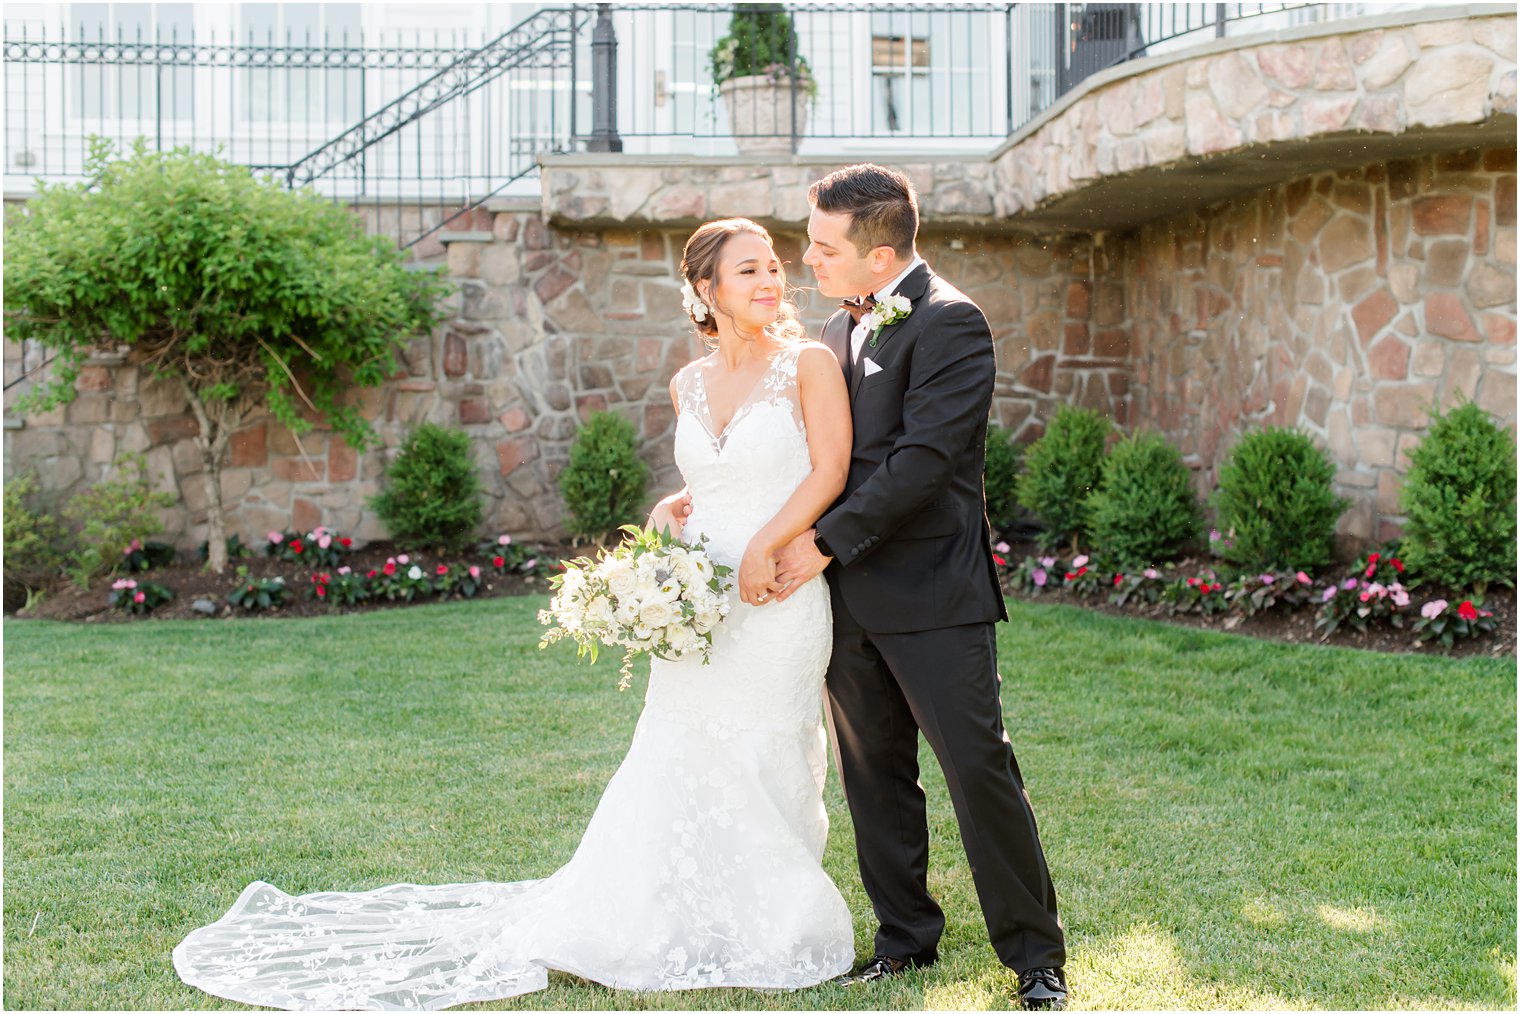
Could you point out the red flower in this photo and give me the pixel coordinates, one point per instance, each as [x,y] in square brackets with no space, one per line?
[1467,610]
[1374,557]
[345,542]
[372,573]
[321,592]
[1070,576]
[1081,572]
[1193,582]
[497,561]
[442,570]
[1118,579]
[390,568]
[1205,587]
[295,546]
[1396,564]
[999,560]
[1371,570]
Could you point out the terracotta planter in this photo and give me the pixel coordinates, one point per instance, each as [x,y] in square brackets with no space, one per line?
[761,114]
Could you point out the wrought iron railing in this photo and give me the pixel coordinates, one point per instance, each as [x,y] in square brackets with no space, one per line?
[449,120]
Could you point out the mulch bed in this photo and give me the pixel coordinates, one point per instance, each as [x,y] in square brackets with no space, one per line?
[190,581]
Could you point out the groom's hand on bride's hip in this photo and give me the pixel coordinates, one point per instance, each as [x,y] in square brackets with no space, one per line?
[798,563]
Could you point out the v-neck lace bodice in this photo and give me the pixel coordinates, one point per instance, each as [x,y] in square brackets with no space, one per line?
[740,477]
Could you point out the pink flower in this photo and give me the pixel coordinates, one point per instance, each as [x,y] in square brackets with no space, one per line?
[1376,589]
[1214,535]
[276,538]
[120,583]
[503,540]
[475,572]
[1301,577]
[324,541]
[1267,579]
[1329,594]
[1040,577]
[1433,608]
[1003,547]
[1151,573]
[403,559]
[345,570]
[1194,582]
[1400,597]
[1080,562]
[319,532]
[1349,583]
[1364,596]
[530,564]
[140,597]
[1047,561]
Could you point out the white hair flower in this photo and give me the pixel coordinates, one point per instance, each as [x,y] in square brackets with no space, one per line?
[692,302]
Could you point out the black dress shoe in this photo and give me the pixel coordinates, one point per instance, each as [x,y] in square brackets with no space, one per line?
[1042,989]
[879,967]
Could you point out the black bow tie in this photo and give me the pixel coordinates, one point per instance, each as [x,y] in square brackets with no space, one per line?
[859,306]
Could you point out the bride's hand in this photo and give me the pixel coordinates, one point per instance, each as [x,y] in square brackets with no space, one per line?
[757,575]
[671,513]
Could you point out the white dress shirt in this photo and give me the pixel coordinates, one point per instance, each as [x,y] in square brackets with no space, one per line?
[860,333]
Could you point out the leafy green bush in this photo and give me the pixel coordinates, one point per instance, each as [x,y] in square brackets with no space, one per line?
[111,515]
[1061,470]
[1001,478]
[1145,508]
[1459,496]
[33,555]
[1275,503]
[603,485]
[433,497]
[247,294]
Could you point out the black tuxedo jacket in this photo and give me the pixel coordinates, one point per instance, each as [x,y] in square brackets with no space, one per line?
[911,543]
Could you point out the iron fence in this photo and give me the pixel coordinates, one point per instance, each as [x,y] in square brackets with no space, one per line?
[447,119]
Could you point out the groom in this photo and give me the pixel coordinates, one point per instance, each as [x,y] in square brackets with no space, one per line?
[908,558]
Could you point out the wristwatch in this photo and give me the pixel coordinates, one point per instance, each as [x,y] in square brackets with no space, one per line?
[820,545]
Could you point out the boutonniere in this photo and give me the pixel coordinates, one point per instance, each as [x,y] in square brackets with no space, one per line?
[888,310]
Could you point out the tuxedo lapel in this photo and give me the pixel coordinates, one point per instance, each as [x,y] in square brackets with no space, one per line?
[913,287]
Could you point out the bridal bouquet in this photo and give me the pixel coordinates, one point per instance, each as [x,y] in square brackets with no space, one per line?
[653,594]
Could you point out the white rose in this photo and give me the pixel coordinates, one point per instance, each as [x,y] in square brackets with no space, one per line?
[657,614]
[621,578]
[414,573]
[626,613]
[706,619]
[681,638]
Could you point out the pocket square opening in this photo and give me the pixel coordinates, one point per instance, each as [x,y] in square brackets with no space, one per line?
[870,367]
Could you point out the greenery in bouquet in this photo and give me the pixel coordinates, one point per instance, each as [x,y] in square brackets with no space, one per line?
[650,595]
[138,597]
[761,40]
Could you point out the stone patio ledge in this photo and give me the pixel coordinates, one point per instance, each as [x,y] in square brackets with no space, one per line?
[1139,142]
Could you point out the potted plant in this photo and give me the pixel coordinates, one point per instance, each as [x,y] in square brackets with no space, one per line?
[764,83]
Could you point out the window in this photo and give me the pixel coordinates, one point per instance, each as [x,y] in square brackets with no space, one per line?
[123,90]
[280,94]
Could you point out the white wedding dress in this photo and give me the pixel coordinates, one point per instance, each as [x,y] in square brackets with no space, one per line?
[700,866]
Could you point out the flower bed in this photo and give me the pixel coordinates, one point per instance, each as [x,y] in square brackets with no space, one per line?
[1364,604]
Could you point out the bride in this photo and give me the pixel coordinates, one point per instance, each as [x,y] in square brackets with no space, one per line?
[701,865]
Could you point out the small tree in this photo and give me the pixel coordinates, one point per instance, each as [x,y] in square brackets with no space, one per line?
[432,499]
[1000,478]
[603,485]
[1061,470]
[1276,502]
[245,293]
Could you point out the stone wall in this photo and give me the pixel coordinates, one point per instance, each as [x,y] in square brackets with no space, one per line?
[1288,276]
[1346,303]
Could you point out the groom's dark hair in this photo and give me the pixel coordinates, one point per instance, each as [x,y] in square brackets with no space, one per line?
[881,203]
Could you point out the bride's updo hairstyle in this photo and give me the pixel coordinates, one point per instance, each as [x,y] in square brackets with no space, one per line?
[699,261]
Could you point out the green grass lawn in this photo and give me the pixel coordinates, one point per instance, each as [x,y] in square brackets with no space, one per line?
[1230,823]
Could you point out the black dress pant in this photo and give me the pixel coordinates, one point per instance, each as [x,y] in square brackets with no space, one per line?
[883,690]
